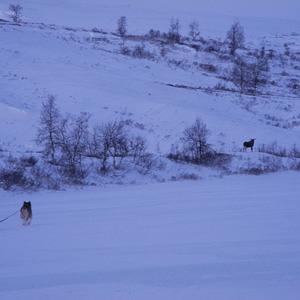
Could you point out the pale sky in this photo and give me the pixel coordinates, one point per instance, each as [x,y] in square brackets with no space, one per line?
[214,16]
[284,9]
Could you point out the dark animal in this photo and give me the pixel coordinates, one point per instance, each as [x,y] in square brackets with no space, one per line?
[249,144]
[26,213]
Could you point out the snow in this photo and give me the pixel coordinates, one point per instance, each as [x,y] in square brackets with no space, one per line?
[230,238]
[40,60]
[219,237]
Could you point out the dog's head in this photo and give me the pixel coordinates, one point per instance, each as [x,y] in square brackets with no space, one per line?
[27,204]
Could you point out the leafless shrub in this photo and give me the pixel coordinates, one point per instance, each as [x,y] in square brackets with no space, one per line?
[173,35]
[187,176]
[36,178]
[287,50]
[154,34]
[98,148]
[163,51]
[147,162]
[294,152]
[72,144]
[272,163]
[194,148]
[265,165]
[28,161]
[248,77]
[140,51]
[110,140]
[195,141]
[275,121]
[220,86]
[139,125]
[194,32]
[15,14]
[96,30]
[295,165]
[122,27]
[124,49]
[48,130]
[224,57]
[138,147]
[271,54]
[26,174]
[274,149]
[294,85]
[217,160]
[212,46]
[208,67]
[235,37]
[12,174]
[257,170]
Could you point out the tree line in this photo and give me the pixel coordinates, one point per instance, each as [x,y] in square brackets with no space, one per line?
[249,74]
[71,150]
[68,141]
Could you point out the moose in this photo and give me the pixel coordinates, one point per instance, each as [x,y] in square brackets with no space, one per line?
[249,144]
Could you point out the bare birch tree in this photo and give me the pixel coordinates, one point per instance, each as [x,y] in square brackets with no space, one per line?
[48,131]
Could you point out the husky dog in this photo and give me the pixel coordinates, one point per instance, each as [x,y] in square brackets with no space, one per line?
[26,213]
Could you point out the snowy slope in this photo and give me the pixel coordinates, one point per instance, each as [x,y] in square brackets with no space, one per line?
[38,60]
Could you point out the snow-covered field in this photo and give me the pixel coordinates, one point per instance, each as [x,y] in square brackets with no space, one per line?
[230,238]
[218,237]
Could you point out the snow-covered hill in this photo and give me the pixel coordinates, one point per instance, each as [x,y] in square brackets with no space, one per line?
[158,95]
